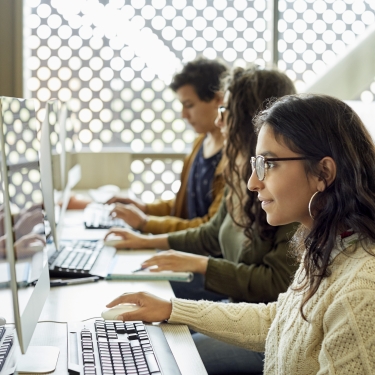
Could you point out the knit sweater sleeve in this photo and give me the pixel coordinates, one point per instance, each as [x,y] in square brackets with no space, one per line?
[349,334]
[241,324]
[160,207]
[203,240]
[160,224]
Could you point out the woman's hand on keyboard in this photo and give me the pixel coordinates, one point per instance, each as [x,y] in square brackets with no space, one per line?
[3,246]
[151,308]
[136,202]
[29,245]
[131,214]
[122,238]
[25,247]
[133,240]
[177,261]
[27,221]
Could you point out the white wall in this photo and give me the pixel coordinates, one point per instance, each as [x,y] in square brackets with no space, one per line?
[366,112]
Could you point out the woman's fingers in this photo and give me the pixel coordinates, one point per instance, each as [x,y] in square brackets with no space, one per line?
[131,214]
[124,298]
[155,260]
[161,263]
[118,199]
[122,245]
[111,200]
[117,232]
[150,262]
[30,238]
[151,308]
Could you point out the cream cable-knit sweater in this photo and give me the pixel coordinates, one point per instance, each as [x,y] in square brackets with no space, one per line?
[339,340]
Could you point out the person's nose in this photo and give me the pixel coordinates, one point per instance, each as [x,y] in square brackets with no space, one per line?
[254,184]
[185,113]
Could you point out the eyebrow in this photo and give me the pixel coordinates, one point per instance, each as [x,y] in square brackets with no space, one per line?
[186,101]
[269,154]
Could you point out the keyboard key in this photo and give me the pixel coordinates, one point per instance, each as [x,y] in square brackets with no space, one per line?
[115,355]
[99,218]
[61,258]
[83,261]
[151,362]
[5,348]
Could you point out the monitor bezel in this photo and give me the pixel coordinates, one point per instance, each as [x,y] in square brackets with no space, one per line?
[26,322]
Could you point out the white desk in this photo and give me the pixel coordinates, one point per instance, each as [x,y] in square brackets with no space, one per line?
[81,302]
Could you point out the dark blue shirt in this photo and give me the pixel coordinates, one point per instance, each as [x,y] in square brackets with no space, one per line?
[200,184]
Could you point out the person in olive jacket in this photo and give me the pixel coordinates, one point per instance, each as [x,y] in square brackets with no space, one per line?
[255,266]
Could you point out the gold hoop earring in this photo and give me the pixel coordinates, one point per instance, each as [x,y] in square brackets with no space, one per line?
[311,199]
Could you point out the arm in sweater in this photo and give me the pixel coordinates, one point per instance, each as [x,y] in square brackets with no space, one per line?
[160,224]
[160,207]
[203,240]
[241,324]
[259,281]
[349,334]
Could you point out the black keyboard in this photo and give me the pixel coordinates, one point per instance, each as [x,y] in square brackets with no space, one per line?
[117,348]
[76,257]
[99,218]
[6,344]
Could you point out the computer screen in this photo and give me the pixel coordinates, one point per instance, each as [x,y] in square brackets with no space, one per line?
[23,216]
[47,172]
[45,153]
[8,336]
[61,144]
[62,118]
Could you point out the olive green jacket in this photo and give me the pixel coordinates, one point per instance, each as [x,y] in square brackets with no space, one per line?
[251,271]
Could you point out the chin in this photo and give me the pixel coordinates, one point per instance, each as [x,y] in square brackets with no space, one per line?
[199,130]
[275,221]
[272,223]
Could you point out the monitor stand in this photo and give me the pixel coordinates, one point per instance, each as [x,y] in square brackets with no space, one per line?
[38,360]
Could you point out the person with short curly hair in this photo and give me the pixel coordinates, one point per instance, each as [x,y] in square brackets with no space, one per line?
[197,87]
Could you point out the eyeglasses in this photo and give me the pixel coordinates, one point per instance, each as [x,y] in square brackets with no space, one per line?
[221,111]
[261,164]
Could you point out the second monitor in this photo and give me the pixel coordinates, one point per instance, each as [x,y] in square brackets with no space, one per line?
[72,258]
[24,234]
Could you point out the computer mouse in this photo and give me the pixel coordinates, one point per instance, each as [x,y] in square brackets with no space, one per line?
[2,321]
[113,312]
[113,241]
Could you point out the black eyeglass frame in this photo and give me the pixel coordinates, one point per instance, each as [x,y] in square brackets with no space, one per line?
[265,159]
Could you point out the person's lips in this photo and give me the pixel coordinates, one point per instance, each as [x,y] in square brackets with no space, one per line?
[265,202]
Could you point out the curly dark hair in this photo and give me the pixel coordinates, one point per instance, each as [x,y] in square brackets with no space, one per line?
[203,74]
[249,89]
[318,126]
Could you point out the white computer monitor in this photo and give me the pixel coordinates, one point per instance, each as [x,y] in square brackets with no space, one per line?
[45,155]
[62,118]
[47,173]
[7,331]
[24,230]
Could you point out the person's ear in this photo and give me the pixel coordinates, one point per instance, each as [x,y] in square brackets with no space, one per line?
[328,170]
